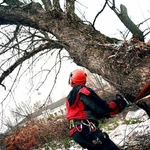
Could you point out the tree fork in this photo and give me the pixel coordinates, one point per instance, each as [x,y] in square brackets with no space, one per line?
[123,16]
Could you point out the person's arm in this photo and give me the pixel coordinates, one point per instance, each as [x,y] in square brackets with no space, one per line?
[100,112]
[99,106]
[115,106]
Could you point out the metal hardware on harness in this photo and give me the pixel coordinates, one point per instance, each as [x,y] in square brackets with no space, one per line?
[79,127]
[91,125]
[71,123]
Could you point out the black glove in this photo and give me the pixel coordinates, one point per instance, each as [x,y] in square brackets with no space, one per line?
[121,103]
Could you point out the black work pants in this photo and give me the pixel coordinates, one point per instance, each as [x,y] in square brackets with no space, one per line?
[94,140]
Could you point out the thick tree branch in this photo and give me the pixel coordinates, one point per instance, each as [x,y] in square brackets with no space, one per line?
[30,16]
[13,3]
[70,7]
[47,4]
[123,16]
[56,4]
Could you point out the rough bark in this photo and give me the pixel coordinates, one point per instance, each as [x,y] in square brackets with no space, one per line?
[126,66]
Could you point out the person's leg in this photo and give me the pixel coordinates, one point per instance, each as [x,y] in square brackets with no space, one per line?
[84,143]
[111,145]
[107,143]
[94,140]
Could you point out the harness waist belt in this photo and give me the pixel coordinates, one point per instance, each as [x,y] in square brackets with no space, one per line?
[74,122]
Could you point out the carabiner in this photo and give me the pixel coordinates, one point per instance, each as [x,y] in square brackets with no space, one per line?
[79,127]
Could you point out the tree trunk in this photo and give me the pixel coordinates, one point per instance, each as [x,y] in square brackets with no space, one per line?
[126,66]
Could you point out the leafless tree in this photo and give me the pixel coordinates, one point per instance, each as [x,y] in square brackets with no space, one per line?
[32,31]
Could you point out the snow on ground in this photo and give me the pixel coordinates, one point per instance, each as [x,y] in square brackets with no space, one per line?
[123,133]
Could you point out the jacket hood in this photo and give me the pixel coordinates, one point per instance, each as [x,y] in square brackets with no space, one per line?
[73,94]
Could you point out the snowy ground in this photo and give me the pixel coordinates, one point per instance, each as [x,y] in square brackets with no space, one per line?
[123,134]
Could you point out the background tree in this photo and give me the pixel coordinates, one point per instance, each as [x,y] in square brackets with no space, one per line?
[40,28]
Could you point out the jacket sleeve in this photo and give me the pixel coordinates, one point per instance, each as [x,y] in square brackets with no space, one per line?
[100,107]
[99,112]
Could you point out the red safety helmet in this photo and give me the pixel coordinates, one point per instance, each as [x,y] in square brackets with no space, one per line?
[77,77]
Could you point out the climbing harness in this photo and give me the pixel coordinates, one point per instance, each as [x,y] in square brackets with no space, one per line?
[96,136]
[77,125]
[89,124]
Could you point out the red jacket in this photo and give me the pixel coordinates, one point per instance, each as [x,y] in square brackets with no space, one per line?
[83,103]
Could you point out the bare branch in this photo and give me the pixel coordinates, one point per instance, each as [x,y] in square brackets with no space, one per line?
[3,86]
[50,45]
[114,5]
[99,13]
[129,24]
[15,35]
[55,78]
[123,16]
[143,22]
[146,33]
[10,90]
